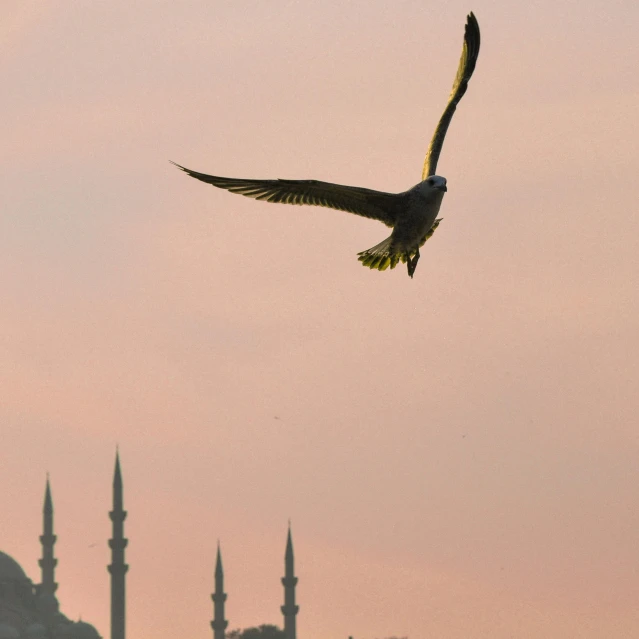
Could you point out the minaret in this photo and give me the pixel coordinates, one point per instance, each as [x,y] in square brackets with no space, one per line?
[289,609]
[47,539]
[219,597]
[117,568]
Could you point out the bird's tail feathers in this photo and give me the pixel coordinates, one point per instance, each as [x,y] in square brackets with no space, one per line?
[385,255]
[381,256]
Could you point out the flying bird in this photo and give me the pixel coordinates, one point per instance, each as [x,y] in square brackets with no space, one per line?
[411,214]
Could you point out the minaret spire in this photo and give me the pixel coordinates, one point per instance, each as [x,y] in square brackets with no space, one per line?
[289,609]
[48,539]
[117,568]
[219,624]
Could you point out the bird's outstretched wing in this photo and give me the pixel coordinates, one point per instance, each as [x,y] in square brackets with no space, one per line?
[376,205]
[470,51]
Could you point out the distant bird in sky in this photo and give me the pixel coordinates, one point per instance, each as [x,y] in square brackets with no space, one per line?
[412,214]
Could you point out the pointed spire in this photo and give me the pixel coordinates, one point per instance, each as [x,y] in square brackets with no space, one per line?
[219,624]
[289,559]
[48,502]
[117,483]
[48,539]
[219,570]
[289,609]
[118,568]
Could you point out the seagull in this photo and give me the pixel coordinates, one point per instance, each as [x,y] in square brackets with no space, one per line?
[411,214]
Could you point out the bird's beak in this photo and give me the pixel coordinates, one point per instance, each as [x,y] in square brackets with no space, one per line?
[443,188]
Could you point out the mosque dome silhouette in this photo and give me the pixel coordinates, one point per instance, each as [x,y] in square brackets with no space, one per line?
[83,630]
[10,569]
[63,631]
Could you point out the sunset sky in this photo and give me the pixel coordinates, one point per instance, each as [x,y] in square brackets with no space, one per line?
[458,453]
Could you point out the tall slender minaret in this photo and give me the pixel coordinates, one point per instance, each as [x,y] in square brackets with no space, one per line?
[117,568]
[289,609]
[47,539]
[219,624]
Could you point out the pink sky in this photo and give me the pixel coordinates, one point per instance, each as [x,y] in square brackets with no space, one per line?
[458,453]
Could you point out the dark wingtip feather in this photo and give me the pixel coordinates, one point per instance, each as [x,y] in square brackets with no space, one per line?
[472,35]
[179,166]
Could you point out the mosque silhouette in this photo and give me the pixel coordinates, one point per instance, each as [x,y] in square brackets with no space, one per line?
[32,611]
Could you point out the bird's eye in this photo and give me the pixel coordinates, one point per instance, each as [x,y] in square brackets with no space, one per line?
[431,182]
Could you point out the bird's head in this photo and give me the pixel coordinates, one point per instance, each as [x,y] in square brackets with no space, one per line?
[435,182]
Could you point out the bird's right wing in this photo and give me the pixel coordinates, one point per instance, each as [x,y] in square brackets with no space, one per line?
[376,205]
[470,51]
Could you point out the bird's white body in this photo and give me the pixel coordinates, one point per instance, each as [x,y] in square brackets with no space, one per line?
[425,202]
[420,217]
[412,228]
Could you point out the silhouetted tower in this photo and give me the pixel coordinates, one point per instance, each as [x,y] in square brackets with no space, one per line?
[47,539]
[289,609]
[117,568]
[219,624]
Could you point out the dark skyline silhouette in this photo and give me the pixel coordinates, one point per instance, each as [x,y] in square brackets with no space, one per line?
[29,611]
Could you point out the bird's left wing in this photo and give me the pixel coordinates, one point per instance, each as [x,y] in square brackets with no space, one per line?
[376,205]
[470,51]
